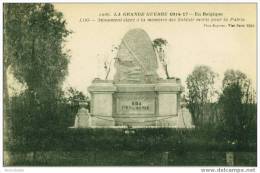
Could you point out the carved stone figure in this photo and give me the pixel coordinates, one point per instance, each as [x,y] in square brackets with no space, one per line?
[136,59]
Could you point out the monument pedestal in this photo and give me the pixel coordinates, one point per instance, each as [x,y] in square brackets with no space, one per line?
[84,122]
[168,102]
[136,97]
[137,105]
[102,103]
[83,119]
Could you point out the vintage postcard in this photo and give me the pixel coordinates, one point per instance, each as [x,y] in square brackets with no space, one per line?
[130,84]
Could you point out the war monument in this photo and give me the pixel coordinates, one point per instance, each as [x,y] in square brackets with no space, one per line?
[137,97]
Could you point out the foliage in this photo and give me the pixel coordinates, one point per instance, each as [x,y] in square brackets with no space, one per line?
[239,78]
[34,36]
[238,107]
[74,97]
[35,33]
[143,139]
[131,158]
[35,124]
[200,85]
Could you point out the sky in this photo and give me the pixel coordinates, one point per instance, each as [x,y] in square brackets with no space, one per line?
[190,43]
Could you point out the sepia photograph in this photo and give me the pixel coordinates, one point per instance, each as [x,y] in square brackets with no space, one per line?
[130,84]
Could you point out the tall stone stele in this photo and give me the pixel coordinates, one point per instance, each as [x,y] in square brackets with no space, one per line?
[136,96]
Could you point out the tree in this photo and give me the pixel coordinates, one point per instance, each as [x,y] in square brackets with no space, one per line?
[238,77]
[237,102]
[200,85]
[74,97]
[7,133]
[159,45]
[34,35]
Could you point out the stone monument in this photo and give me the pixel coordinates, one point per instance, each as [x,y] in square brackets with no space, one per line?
[136,60]
[83,117]
[136,97]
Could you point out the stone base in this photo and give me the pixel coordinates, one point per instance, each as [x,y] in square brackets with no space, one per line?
[82,119]
[136,105]
[169,122]
[84,122]
[103,121]
[136,122]
[185,119]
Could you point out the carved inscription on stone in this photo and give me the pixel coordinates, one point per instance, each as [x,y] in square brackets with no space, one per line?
[135,104]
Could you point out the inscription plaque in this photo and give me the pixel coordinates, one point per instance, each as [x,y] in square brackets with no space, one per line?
[135,104]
